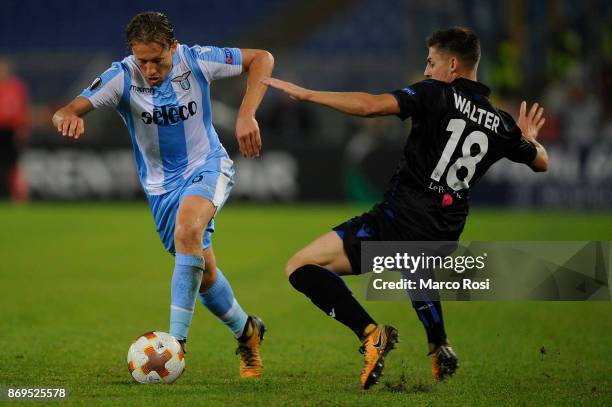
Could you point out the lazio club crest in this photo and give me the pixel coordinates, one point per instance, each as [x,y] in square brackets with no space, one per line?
[182,80]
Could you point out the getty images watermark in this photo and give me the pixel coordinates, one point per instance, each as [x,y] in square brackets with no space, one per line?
[407,263]
[555,270]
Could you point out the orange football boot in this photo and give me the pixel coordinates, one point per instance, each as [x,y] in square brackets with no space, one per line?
[248,349]
[375,347]
[444,361]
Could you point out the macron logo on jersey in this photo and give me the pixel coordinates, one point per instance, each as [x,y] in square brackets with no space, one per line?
[409,91]
[170,114]
[139,89]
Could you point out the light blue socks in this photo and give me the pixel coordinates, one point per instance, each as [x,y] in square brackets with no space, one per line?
[219,299]
[186,281]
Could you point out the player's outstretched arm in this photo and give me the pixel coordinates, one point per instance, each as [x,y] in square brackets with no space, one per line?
[259,64]
[530,125]
[68,120]
[354,103]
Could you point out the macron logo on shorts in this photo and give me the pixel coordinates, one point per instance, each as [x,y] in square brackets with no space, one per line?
[229,59]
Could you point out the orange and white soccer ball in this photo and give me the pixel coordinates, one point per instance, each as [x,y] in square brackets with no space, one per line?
[156,357]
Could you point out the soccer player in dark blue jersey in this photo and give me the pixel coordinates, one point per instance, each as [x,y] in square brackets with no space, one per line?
[456,136]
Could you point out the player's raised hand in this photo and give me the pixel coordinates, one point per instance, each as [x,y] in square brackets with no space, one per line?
[294,91]
[248,136]
[531,123]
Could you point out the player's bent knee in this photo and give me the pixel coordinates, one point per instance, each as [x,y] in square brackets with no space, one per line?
[298,260]
[290,267]
[187,235]
[295,262]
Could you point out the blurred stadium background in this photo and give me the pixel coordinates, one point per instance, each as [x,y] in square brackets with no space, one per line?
[558,52]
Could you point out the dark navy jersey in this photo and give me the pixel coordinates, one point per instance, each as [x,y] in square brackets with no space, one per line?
[456,136]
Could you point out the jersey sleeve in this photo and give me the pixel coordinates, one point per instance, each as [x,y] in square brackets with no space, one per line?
[106,89]
[217,63]
[519,150]
[418,99]
[522,152]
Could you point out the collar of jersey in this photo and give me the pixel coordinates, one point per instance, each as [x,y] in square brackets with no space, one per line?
[474,86]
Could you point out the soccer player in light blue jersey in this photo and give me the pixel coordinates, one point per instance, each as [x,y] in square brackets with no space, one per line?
[162,92]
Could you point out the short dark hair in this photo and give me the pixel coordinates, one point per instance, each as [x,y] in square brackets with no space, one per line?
[461,41]
[150,26]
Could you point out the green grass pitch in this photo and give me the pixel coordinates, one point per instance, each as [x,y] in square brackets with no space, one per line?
[80,282]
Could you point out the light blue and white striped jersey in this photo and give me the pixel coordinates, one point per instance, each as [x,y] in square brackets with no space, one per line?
[170,124]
